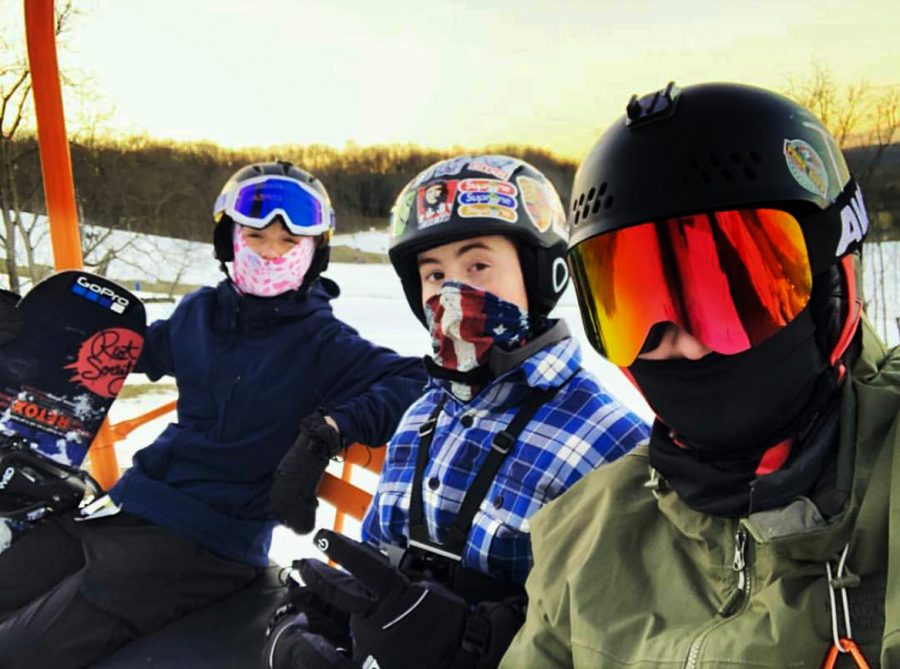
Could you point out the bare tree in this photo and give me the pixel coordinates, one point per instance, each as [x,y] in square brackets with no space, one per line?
[15,112]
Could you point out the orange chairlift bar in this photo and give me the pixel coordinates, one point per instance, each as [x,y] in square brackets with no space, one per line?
[56,164]
[56,168]
[348,499]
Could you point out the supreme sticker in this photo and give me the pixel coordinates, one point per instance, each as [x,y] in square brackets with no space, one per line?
[487,198]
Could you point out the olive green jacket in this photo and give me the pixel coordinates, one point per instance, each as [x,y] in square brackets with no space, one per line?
[627,575]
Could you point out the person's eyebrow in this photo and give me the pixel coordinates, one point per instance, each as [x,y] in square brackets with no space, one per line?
[471,247]
[425,260]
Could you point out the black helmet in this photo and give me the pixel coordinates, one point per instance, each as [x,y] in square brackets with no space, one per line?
[711,147]
[470,196]
[284,171]
[715,147]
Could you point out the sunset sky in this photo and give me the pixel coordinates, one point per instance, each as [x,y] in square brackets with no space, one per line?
[440,73]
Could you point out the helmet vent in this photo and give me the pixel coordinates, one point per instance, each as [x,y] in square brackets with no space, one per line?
[729,169]
[583,207]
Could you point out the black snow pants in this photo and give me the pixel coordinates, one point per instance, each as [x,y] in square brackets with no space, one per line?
[72,592]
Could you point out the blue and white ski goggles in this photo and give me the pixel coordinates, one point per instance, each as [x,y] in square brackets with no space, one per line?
[256,202]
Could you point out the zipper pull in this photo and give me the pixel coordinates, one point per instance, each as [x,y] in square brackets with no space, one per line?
[739,565]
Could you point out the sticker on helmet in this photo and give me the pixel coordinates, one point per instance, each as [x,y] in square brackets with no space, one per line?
[501,167]
[806,166]
[400,212]
[435,202]
[452,166]
[488,211]
[542,204]
[854,223]
[488,186]
[488,198]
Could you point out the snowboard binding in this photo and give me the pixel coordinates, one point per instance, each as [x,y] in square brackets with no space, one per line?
[33,486]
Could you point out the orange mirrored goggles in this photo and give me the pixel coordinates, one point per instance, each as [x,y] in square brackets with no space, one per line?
[729,278]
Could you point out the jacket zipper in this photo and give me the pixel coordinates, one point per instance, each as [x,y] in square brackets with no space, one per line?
[736,600]
[231,391]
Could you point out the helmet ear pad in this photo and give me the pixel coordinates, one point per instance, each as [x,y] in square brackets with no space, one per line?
[318,265]
[223,240]
[544,281]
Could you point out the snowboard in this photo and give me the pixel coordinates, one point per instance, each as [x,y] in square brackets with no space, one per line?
[82,337]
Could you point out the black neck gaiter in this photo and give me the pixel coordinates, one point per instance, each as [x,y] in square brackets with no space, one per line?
[725,411]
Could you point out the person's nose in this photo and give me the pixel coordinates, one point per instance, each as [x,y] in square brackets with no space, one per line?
[688,346]
[270,250]
[674,342]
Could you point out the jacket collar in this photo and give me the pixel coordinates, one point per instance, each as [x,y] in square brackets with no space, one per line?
[249,314]
[547,361]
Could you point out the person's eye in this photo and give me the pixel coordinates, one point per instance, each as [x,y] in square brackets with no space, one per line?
[479,267]
[434,276]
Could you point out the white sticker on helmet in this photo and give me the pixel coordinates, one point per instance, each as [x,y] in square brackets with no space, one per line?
[542,203]
[501,167]
[854,223]
[806,166]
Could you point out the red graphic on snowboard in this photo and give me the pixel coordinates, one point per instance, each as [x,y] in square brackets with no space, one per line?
[105,359]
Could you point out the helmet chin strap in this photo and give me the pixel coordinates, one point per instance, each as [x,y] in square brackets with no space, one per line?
[854,314]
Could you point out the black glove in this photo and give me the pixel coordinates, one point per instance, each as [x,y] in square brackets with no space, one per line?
[298,474]
[395,622]
[11,321]
[306,632]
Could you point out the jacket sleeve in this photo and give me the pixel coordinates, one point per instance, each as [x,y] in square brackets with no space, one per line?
[544,641]
[537,644]
[156,358]
[364,387]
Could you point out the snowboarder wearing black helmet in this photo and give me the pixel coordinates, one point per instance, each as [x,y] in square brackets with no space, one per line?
[191,521]
[715,239]
[508,422]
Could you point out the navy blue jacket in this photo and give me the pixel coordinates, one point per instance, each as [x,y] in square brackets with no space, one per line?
[248,369]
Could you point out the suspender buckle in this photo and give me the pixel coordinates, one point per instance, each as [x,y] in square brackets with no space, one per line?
[503,442]
[427,427]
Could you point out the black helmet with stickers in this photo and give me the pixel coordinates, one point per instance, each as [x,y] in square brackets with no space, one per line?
[719,147]
[279,188]
[471,196]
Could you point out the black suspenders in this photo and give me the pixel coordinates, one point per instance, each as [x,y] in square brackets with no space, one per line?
[501,445]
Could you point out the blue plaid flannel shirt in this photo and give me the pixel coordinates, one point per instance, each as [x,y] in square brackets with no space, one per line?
[581,428]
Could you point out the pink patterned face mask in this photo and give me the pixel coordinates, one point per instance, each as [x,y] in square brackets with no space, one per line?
[254,275]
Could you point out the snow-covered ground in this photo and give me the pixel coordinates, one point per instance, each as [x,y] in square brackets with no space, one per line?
[372,302]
